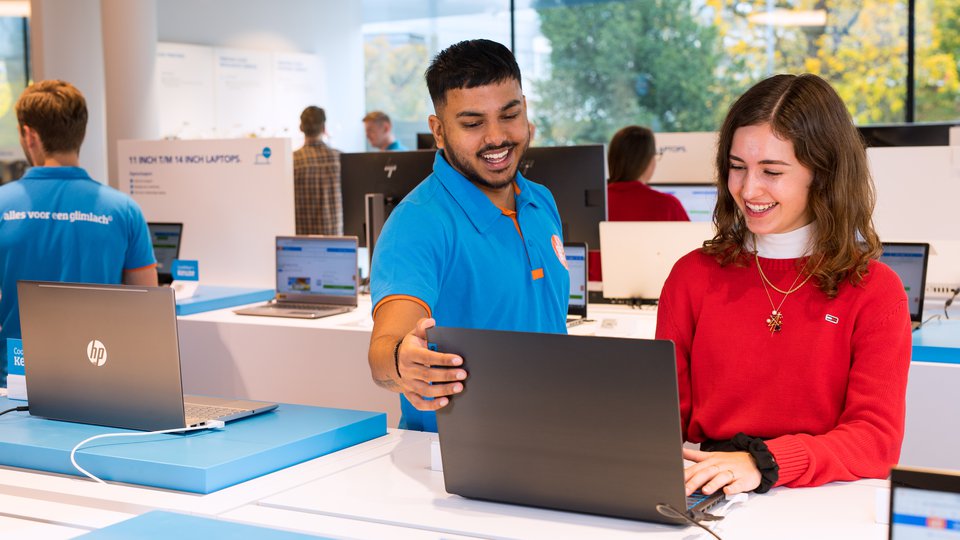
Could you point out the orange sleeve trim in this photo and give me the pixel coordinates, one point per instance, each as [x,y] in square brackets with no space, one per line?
[393,297]
[154,265]
[537,273]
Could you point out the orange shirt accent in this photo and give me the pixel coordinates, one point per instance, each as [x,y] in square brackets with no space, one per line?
[141,268]
[537,273]
[393,297]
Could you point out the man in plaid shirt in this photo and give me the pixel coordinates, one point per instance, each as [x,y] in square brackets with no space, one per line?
[316,179]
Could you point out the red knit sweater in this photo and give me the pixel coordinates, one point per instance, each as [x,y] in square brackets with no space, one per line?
[636,201]
[827,391]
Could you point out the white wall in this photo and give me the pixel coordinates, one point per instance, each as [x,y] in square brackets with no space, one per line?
[327,28]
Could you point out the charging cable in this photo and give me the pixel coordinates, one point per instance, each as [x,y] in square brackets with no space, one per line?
[210,424]
[21,408]
[949,301]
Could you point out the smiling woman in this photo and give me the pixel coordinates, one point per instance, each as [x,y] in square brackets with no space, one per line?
[792,341]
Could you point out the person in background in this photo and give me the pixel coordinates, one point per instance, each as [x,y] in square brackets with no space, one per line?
[632,158]
[57,223]
[316,179]
[379,132]
[475,245]
[793,341]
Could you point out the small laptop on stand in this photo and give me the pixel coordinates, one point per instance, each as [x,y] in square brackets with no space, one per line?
[909,261]
[576,254]
[166,239]
[316,277]
[525,429]
[109,355]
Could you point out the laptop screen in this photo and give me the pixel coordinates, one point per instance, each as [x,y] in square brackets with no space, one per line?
[321,266]
[577,266]
[924,505]
[697,199]
[909,261]
[166,244]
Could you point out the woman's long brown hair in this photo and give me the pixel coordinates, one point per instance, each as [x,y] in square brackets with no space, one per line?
[805,110]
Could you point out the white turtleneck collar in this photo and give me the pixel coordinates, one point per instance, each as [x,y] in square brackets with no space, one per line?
[789,245]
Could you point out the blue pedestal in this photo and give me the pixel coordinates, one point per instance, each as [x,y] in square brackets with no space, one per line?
[199,462]
[164,525]
[209,298]
[937,341]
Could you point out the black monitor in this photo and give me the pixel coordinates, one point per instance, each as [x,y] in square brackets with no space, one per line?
[390,174]
[577,177]
[166,239]
[698,200]
[425,141]
[906,134]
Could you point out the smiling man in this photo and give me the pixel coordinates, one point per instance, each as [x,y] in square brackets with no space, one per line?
[475,245]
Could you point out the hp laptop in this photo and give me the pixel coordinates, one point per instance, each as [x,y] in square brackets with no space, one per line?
[522,431]
[637,256]
[166,239]
[909,261]
[924,504]
[576,254]
[316,277]
[109,355]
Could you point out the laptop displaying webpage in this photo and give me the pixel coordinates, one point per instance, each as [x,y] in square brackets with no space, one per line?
[316,266]
[697,199]
[923,514]
[165,238]
[909,261]
[577,267]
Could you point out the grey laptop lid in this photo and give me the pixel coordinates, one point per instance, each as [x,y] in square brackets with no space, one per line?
[577,423]
[108,355]
[317,270]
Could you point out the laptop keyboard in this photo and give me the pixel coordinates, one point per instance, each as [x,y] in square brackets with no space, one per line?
[200,413]
[306,307]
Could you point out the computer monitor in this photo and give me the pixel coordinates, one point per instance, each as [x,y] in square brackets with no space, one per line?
[577,178]
[924,504]
[390,174]
[425,141]
[166,239]
[698,200]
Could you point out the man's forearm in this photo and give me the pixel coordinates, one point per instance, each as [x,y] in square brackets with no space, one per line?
[383,366]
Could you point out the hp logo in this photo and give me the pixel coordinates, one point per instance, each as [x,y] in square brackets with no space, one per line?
[97,353]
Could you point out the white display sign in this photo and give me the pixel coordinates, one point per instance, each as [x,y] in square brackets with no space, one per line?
[233,197]
[686,158]
[186,93]
[244,83]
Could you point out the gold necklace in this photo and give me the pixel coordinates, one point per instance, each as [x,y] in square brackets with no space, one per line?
[775,320]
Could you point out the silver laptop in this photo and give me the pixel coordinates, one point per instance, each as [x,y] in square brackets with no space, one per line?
[109,355]
[909,261]
[637,256]
[316,277]
[924,504]
[526,429]
[576,254]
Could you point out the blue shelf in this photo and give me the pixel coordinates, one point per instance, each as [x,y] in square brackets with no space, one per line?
[198,462]
[163,525]
[209,298]
[937,341]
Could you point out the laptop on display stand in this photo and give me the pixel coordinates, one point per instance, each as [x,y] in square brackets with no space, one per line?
[316,277]
[524,431]
[166,239]
[909,261]
[576,255]
[109,355]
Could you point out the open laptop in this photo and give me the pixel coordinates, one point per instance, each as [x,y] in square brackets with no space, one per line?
[576,254]
[637,256]
[166,239]
[109,355]
[909,261]
[924,504]
[316,277]
[698,200]
[525,431]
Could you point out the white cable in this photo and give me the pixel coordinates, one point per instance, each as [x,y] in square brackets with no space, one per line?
[212,424]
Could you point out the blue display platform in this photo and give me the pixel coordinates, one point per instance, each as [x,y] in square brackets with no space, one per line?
[209,298]
[163,525]
[937,341]
[200,461]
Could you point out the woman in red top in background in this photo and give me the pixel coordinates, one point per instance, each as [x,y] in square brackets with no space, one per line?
[630,158]
[793,342]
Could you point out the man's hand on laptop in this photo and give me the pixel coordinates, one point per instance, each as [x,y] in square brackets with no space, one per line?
[734,472]
[427,377]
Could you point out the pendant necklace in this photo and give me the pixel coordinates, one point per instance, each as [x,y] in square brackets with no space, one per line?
[775,320]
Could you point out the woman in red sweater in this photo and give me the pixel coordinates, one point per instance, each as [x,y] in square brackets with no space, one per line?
[631,158]
[793,342]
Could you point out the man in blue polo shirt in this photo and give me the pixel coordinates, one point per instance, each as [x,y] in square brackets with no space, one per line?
[475,245]
[57,223]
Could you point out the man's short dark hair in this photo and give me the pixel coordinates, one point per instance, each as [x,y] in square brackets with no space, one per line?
[57,112]
[470,64]
[312,121]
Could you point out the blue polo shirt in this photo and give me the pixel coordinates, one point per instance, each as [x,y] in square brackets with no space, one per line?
[450,247]
[396,146]
[58,224]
